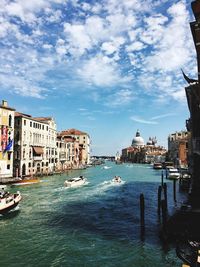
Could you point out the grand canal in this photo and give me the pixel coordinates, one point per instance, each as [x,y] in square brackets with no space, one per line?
[97,224]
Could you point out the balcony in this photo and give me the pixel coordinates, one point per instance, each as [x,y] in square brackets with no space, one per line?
[37,158]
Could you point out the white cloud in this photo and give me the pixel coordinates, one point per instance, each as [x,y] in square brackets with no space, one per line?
[173,50]
[136,46]
[77,37]
[21,86]
[120,98]
[101,71]
[163,116]
[100,45]
[109,48]
[141,120]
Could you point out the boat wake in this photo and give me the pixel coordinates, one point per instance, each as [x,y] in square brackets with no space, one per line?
[110,183]
[106,167]
[129,166]
[11,213]
[63,188]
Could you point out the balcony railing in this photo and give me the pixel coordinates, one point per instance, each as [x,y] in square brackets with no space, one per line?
[37,158]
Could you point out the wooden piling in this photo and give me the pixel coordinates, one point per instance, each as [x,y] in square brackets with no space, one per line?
[174,189]
[159,199]
[164,214]
[162,178]
[166,174]
[142,210]
[165,194]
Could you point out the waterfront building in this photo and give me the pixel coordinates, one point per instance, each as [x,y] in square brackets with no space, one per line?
[132,153]
[51,148]
[193,100]
[178,148]
[154,153]
[143,153]
[137,141]
[68,153]
[82,152]
[35,145]
[6,140]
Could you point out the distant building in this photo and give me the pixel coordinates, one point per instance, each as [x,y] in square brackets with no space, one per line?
[51,148]
[178,148]
[143,153]
[35,145]
[137,141]
[6,140]
[80,153]
[68,152]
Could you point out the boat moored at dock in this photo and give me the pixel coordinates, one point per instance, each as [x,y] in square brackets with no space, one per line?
[173,173]
[26,182]
[157,165]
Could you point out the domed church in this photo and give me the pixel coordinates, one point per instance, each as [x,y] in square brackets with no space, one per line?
[137,141]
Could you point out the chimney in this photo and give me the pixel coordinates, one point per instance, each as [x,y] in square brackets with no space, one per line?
[4,103]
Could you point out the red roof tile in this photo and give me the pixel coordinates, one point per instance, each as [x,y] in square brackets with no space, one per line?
[72,132]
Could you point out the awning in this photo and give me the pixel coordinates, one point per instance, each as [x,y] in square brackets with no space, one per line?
[38,150]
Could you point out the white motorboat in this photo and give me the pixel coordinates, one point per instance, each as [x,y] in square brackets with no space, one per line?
[76,181]
[173,173]
[8,201]
[117,179]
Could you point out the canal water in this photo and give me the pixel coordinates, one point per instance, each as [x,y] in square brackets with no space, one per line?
[95,225]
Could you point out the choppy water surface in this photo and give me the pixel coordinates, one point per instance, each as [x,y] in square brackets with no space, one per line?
[97,224]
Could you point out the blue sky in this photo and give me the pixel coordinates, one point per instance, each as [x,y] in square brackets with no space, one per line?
[105,67]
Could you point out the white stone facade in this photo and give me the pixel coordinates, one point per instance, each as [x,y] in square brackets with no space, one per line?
[35,145]
[6,140]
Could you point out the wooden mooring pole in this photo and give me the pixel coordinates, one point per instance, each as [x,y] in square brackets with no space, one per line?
[142,216]
[162,177]
[165,194]
[159,199]
[164,214]
[174,189]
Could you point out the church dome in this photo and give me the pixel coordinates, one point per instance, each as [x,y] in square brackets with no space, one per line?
[137,140]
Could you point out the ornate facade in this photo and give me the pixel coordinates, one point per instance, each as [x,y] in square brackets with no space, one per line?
[35,145]
[6,140]
[81,154]
[141,153]
[178,148]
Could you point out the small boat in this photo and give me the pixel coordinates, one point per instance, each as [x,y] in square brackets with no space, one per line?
[76,181]
[117,179]
[26,181]
[173,173]
[8,201]
[157,165]
[189,253]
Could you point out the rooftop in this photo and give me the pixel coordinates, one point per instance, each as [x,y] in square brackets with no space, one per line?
[72,132]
